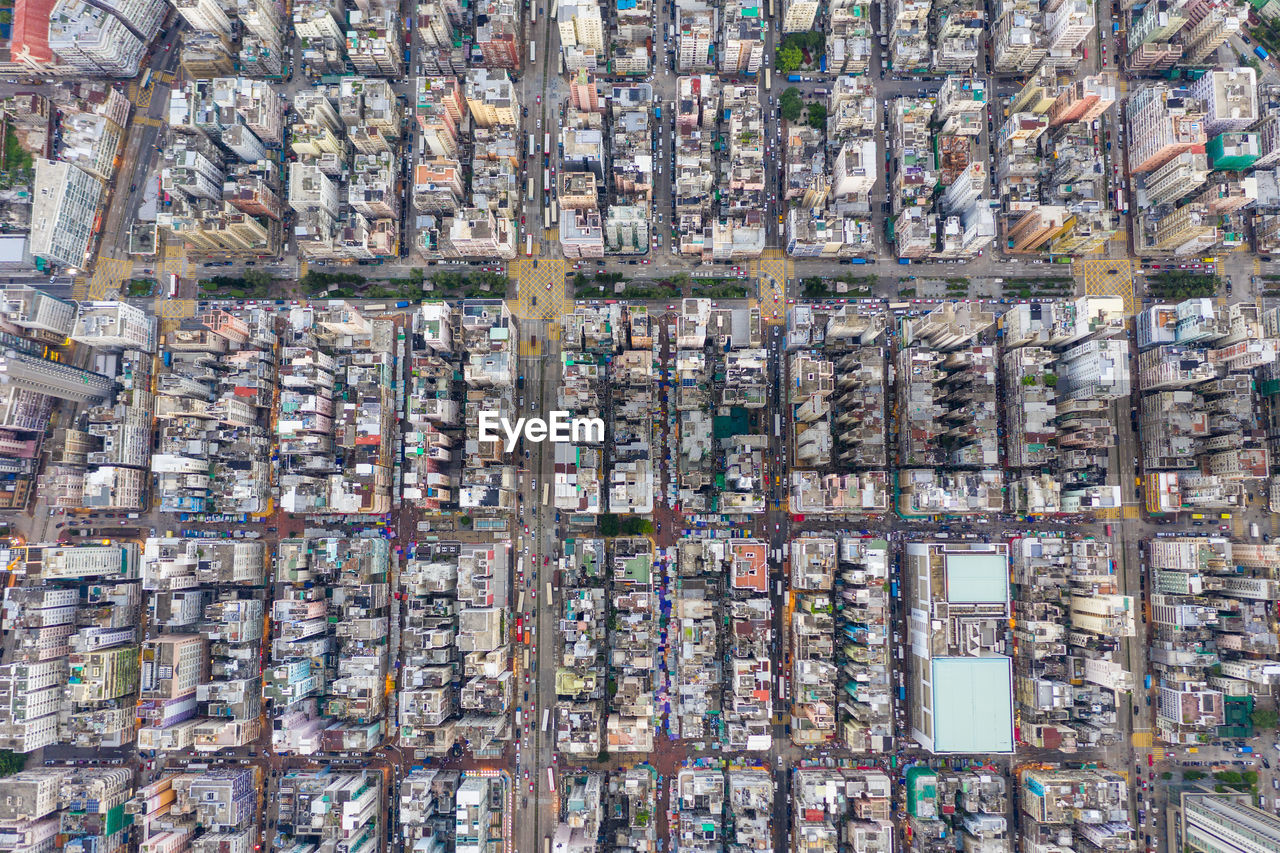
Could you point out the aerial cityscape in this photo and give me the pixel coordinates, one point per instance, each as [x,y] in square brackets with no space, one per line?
[696,426]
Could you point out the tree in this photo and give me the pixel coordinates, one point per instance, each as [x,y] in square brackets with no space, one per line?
[790,105]
[1265,718]
[817,116]
[607,524]
[465,521]
[11,762]
[789,59]
[1050,380]
[257,279]
[1192,775]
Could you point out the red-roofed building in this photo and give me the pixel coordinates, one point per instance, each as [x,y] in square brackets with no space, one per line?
[30,42]
[750,565]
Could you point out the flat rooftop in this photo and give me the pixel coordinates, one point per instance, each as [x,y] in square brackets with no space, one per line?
[973,704]
[977,578]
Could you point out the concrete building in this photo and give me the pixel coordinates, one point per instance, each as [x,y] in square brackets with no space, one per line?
[1219,22]
[1035,228]
[1180,177]
[491,97]
[104,40]
[206,16]
[580,25]
[1230,99]
[1163,123]
[1098,368]
[1084,100]
[1218,823]
[63,211]
[798,15]
[961,682]
[54,378]
[115,325]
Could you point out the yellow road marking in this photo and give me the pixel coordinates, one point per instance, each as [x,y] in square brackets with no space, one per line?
[544,284]
[772,271]
[1100,281]
[109,274]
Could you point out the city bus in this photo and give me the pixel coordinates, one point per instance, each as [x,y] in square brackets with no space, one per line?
[546,718]
[533,53]
[546,218]
[146,79]
[546,141]
[768,78]
[173,285]
[555,215]
[777,425]
[528,193]
[532,144]
[546,493]
[528,245]
[551,780]
[546,180]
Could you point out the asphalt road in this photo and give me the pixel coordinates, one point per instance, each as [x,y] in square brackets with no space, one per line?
[535,809]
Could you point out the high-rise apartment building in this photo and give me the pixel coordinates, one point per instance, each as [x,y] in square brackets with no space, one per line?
[54,378]
[1163,123]
[63,210]
[1227,823]
[1230,99]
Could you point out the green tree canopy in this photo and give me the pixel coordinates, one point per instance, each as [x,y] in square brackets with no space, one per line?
[790,104]
[817,116]
[257,279]
[788,59]
[1265,718]
[11,762]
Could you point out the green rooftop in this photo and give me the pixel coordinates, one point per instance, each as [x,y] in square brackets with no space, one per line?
[973,704]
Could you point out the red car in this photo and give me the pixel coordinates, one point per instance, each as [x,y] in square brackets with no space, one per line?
[1150,760]
[521,220]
